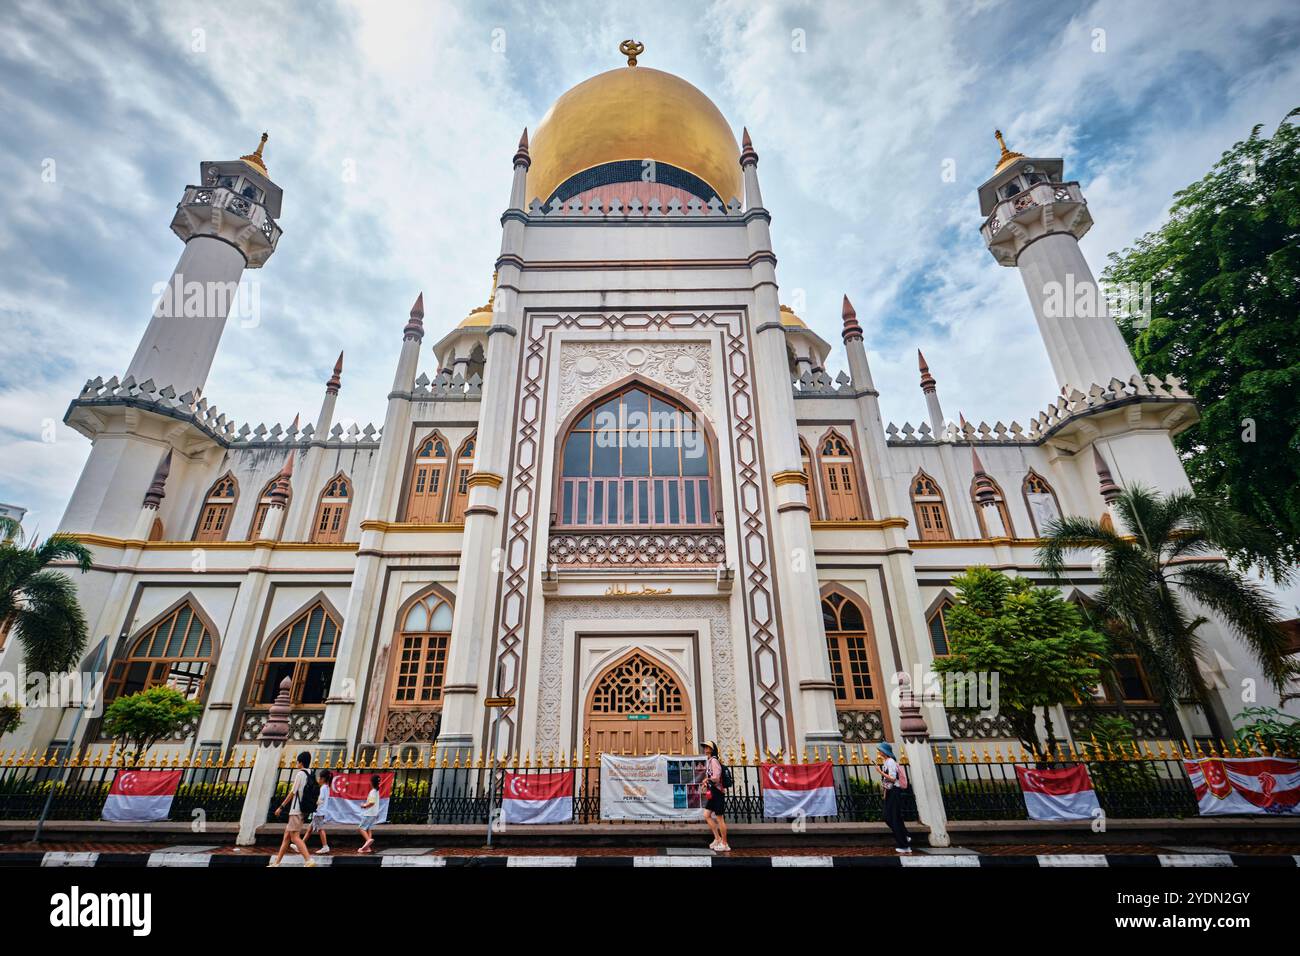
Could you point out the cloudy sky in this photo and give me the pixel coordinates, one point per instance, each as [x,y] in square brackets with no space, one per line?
[856,109]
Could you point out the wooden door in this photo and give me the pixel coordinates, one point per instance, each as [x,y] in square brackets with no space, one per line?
[638,708]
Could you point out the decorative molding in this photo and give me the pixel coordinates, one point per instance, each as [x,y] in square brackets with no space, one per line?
[716,611]
[412,725]
[484,478]
[789,478]
[873,524]
[403,527]
[613,548]
[262,544]
[588,367]
[861,726]
[302,725]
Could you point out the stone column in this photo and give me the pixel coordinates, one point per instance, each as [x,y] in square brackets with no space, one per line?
[266,767]
[922,774]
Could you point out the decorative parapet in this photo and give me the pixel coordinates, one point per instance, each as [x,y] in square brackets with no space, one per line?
[819,384]
[446,387]
[1043,425]
[667,549]
[207,419]
[212,210]
[576,209]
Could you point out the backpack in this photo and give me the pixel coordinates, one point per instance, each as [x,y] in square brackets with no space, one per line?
[902,777]
[310,795]
[727,777]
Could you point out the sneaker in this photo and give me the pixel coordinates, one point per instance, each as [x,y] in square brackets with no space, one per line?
[308,862]
[724,848]
[273,862]
[714,845]
[902,849]
[322,851]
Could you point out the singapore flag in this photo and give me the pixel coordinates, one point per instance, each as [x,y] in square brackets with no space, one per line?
[795,790]
[141,796]
[538,797]
[1064,794]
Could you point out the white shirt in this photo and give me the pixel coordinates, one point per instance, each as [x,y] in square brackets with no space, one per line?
[890,769]
[371,807]
[296,785]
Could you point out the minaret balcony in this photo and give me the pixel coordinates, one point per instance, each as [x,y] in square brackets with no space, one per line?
[1029,204]
[223,213]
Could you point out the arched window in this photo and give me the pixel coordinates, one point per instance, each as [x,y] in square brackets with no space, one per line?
[931,514]
[460,488]
[848,642]
[1000,502]
[218,508]
[1040,500]
[809,475]
[264,508]
[303,650]
[175,651]
[939,629]
[332,512]
[843,502]
[420,653]
[636,458]
[428,479]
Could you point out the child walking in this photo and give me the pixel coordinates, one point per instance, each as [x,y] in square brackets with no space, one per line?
[370,815]
[321,816]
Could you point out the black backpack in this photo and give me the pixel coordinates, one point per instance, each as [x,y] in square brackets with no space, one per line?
[310,794]
[727,777]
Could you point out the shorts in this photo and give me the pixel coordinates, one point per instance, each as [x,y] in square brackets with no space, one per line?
[368,821]
[715,801]
[295,822]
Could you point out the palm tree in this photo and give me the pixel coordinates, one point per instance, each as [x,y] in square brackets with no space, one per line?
[39,605]
[1175,553]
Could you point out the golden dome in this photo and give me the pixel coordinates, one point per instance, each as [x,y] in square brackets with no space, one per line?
[790,320]
[481,317]
[634,113]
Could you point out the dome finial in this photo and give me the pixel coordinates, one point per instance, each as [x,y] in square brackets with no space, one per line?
[254,158]
[1008,156]
[631,49]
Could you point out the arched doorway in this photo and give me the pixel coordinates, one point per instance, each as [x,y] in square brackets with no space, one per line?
[637,706]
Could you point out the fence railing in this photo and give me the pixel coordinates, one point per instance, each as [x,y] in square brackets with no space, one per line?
[1131,780]
[452,790]
[211,785]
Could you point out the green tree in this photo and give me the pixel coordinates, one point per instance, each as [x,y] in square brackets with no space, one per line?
[1034,640]
[1174,554]
[1225,292]
[1269,726]
[138,721]
[39,605]
[11,715]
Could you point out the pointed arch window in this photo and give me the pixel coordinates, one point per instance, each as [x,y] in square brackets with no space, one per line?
[303,650]
[428,480]
[931,513]
[938,625]
[332,512]
[420,653]
[176,651]
[218,508]
[1041,502]
[840,479]
[264,508]
[848,643]
[459,490]
[809,476]
[636,458]
[1000,502]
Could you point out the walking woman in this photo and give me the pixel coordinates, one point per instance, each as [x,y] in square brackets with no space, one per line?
[715,791]
[301,801]
[893,780]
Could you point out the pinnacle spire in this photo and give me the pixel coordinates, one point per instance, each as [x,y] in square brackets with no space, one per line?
[521,154]
[928,383]
[1008,156]
[748,155]
[415,327]
[158,487]
[852,330]
[254,158]
[335,380]
[1106,483]
[985,492]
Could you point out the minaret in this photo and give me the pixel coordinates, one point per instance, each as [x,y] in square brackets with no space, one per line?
[326,417]
[931,389]
[1034,223]
[228,224]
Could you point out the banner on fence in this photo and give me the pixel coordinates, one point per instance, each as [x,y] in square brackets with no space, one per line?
[798,790]
[1245,785]
[348,791]
[651,788]
[141,796]
[537,797]
[1058,794]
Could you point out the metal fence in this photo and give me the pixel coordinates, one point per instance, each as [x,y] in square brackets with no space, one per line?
[212,786]
[448,791]
[1131,781]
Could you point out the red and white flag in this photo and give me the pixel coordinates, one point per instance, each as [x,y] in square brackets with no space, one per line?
[794,790]
[348,791]
[141,796]
[1058,794]
[1245,784]
[537,797]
